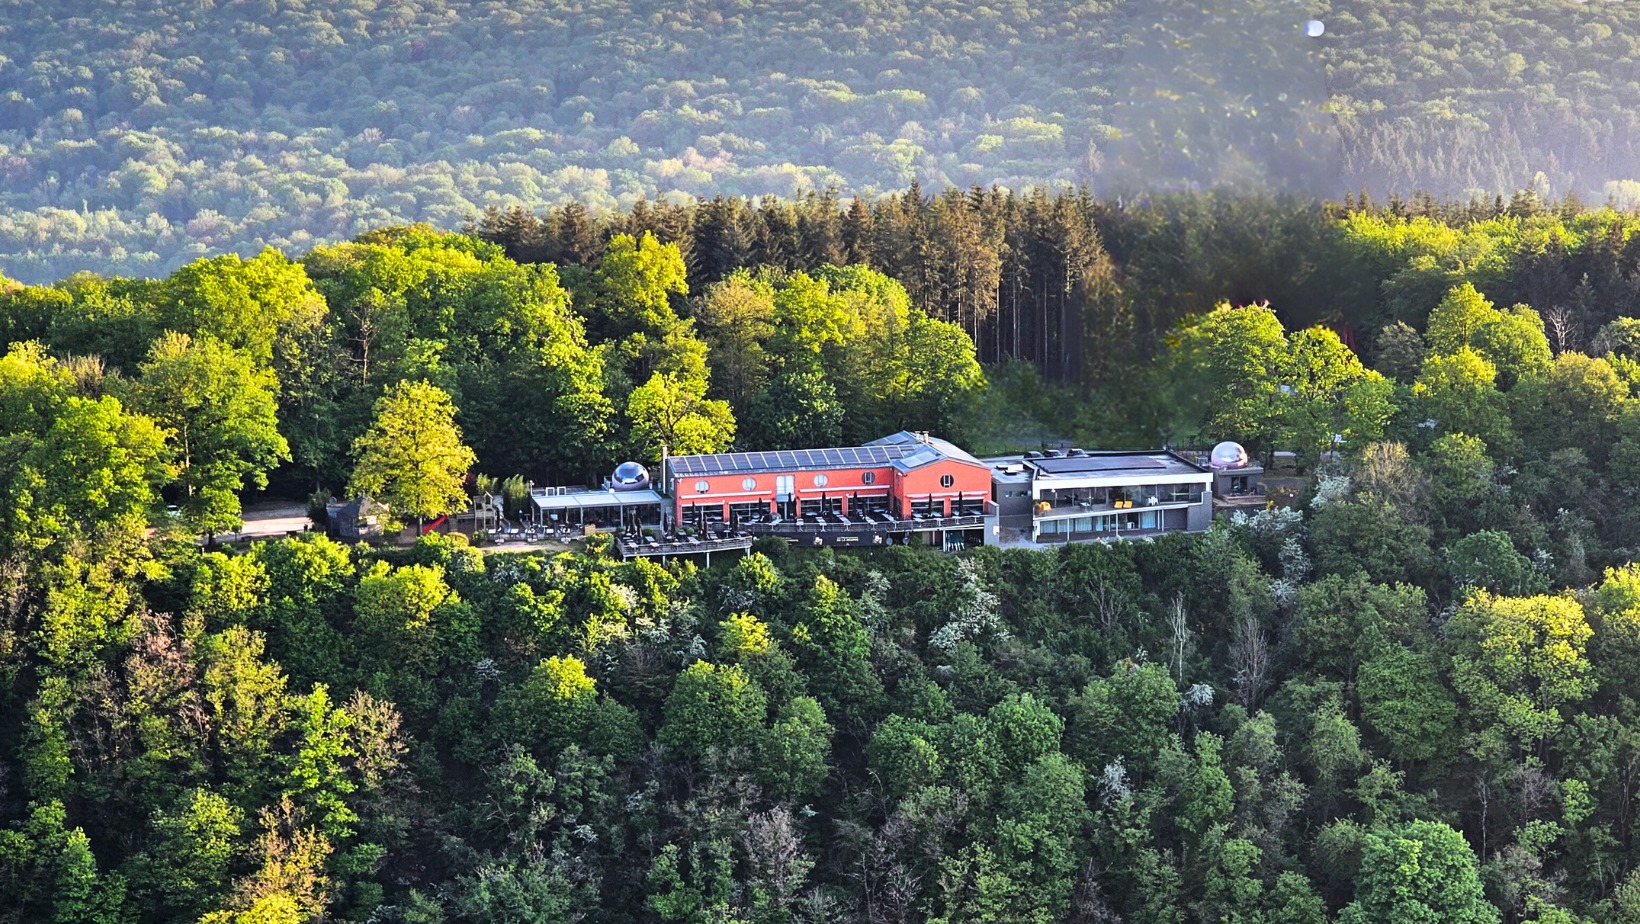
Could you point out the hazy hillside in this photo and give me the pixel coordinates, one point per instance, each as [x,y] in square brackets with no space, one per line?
[135,135]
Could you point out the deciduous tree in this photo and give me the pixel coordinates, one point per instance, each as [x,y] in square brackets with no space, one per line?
[412,457]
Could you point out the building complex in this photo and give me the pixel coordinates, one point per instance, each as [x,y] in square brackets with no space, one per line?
[903,485]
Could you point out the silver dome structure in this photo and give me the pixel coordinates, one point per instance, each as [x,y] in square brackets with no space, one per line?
[1228,455]
[629,476]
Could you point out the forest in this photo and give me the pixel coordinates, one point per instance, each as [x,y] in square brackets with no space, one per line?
[136,136]
[1404,695]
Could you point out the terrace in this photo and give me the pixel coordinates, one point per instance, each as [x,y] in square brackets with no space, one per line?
[872,527]
[1080,502]
[648,545]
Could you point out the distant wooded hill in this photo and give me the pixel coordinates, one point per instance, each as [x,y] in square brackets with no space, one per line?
[135,136]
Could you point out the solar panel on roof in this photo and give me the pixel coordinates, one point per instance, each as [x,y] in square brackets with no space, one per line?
[1098,464]
[800,459]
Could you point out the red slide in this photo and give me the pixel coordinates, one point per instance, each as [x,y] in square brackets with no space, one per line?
[433,525]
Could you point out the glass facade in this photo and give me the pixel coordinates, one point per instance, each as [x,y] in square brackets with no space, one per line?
[696,514]
[1111,523]
[1138,495]
[742,513]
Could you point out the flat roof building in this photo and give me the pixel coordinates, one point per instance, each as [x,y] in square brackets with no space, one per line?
[904,484]
[1079,496]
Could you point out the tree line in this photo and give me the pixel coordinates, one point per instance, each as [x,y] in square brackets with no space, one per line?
[135,138]
[1399,694]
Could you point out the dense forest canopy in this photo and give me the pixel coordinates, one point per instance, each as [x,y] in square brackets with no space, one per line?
[135,136]
[1404,695]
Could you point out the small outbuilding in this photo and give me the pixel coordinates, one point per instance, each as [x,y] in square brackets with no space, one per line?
[355,520]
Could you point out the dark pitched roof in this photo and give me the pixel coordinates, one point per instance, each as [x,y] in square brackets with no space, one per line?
[904,449]
[783,460]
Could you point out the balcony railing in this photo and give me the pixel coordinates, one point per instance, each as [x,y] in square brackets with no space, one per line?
[1254,495]
[861,524]
[629,547]
[1061,510]
[1106,536]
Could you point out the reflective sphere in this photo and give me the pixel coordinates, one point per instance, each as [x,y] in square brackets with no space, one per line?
[1314,28]
[1228,455]
[630,476]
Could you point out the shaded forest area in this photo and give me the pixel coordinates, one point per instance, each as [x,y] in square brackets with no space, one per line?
[1085,290]
[1408,696]
[136,136]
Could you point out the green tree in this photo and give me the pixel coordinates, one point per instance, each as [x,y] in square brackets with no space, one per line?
[1042,817]
[674,413]
[1198,788]
[1421,873]
[290,884]
[941,381]
[1403,699]
[558,707]
[798,410]
[1459,392]
[712,708]
[1517,661]
[635,282]
[1466,493]
[1621,337]
[1293,901]
[412,457]
[1367,533]
[1573,404]
[904,756]
[1458,320]
[1126,716]
[792,754]
[261,306]
[1332,394]
[1023,730]
[1344,621]
[412,626]
[1488,560]
[71,465]
[737,318]
[1232,891]
[1400,352]
[187,869]
[1513,341]
[694,887]
[835,650]
[48,872]
[245,701]
[222,417]
[317,770]
[1227,367]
